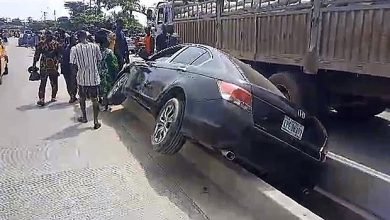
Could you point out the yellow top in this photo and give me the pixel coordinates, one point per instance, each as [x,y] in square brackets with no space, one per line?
[3,51]
[111,40]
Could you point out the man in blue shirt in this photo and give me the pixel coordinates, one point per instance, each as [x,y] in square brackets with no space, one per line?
[121,48]
[162,39]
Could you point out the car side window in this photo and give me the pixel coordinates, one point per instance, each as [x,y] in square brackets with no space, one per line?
[165,54]
[189,55]
[202,59]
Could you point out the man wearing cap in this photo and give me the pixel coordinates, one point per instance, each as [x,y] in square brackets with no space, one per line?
[85,57]
[48,52]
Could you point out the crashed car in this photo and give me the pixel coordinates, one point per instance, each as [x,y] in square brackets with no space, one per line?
[201,94]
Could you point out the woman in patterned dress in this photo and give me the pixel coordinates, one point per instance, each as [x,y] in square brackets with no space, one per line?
[108,67]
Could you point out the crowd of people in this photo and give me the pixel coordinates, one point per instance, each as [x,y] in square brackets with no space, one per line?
[89,63]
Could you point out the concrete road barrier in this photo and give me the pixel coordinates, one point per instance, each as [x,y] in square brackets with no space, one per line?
[262,199]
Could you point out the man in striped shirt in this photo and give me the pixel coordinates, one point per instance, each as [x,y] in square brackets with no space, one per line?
[85,57]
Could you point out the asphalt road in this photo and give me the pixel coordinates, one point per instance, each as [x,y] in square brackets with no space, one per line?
[53,167]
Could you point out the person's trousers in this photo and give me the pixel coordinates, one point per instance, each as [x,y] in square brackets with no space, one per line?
[53,76]
[71,83]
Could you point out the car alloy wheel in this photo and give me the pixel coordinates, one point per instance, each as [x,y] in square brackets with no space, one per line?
[167,117]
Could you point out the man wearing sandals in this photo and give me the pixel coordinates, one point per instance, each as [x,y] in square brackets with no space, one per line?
[85,57]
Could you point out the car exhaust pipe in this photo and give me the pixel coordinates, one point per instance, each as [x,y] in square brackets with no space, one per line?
[228,155]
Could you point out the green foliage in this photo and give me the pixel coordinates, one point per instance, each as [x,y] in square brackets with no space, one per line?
[126,5]
[41,25]
[75,8]
[84,16]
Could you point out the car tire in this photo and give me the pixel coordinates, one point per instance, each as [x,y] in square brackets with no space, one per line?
[115,96]
[300,90]
[360,111]
[167,137]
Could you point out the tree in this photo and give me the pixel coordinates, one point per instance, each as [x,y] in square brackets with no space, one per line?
[84,16]
[126,5]
[3,21]
[75,8]
[126,13]
[16,21]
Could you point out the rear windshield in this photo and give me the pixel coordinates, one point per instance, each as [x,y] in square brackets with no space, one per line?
[255,77]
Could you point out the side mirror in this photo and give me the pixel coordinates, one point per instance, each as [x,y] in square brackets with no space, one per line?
[149,14]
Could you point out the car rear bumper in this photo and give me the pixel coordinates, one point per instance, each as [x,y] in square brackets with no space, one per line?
[222,125]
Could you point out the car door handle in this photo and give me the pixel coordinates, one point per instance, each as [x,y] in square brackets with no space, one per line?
[183,69]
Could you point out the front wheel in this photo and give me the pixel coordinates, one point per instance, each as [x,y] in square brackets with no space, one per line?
[167,137]
[116,96]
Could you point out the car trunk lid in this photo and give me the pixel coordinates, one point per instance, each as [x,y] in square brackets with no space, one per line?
[289,124]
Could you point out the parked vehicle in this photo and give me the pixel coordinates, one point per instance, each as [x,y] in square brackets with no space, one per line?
[27,39]
[322,54]
[199,93]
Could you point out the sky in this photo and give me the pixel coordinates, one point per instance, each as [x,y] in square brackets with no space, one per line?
[35,8]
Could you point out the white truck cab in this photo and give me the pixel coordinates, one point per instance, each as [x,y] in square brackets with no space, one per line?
[161,14]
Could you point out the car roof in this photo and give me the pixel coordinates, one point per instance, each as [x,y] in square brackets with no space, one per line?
[227,66]
[220,62]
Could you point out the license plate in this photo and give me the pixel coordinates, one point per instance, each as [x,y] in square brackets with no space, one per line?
[292,127]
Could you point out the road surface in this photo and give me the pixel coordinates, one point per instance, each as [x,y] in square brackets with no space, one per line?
[52,167]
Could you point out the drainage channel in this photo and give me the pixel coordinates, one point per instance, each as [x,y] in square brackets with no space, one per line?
[347,190]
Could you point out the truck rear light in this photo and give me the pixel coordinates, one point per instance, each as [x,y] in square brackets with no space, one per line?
[236,95]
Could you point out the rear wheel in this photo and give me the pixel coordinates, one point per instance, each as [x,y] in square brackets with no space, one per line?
[167,137]
[116,96]
[300,90]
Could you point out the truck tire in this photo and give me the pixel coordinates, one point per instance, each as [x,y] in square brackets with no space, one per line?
[360,111]
[167,137]
[298,89]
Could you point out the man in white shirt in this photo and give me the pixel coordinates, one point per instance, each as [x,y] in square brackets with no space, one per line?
[85,57]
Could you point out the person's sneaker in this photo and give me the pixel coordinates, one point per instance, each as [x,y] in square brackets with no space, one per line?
[82,120]
[97,126]
[53,100]
[72,100]
[41,103]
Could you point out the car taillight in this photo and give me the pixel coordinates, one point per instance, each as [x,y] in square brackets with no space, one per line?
[236,95]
